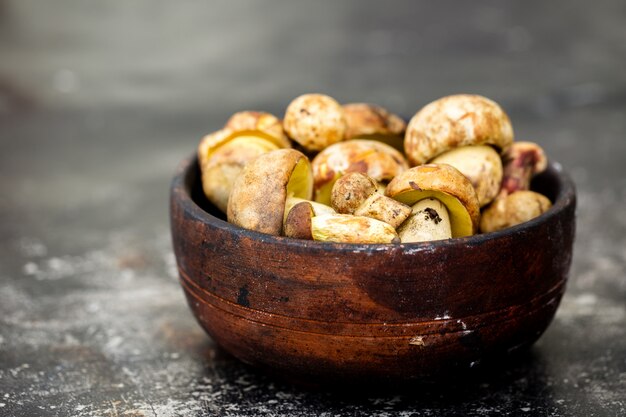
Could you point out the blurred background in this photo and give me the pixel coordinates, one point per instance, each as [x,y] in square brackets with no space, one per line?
[99,101]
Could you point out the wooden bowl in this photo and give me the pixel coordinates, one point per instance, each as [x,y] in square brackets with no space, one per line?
[344,311]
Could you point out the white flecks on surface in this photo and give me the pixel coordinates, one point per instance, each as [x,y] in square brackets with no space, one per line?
[444,316]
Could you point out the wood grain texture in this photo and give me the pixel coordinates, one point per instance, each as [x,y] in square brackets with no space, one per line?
[317,310]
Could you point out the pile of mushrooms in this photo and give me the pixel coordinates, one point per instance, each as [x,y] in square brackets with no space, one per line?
[357,173]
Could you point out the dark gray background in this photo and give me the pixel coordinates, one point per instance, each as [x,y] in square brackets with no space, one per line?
[99,101]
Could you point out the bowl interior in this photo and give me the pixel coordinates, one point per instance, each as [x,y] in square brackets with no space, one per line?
[554,183]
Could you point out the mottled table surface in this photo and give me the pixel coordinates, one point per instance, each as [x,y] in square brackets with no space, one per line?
[99,101]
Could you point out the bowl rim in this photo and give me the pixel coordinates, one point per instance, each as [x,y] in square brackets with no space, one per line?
[180,192]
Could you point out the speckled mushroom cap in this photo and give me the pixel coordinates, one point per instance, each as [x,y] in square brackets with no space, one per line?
[315,121]
[257,200]
[513,209]
[444,183]
[376,159]
[364,119]
[258,120]
[455,121]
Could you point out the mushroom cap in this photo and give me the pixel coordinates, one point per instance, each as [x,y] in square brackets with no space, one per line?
[515,208]
[350,191]
[258,120]
[378,160]
[446,184]
[225,164]
[257,200]
[454,121]
[224,153]
[481,165]
[364,119]
[298,222]
[213,141]
[315,121]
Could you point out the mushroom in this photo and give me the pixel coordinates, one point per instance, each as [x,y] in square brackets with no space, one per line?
[356,193]
[222,154]
[515,202]
[258,120]
[315,221]
[453,203]
[481,165]
[455,121]
[429,221]
[302,223]
[318,208]
[369,121]
[265,186]
[522,161]
[315,121]
[441,131]
[514,209]
[376,159]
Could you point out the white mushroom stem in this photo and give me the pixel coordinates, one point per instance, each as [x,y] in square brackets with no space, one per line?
[522,161]
[303,223]
[429,220]
[383,208]
[481,165]
[357,193]
[348,228]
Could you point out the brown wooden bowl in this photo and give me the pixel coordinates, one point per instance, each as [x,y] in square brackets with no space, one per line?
[330,310]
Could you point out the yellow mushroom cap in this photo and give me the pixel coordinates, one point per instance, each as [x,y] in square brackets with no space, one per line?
[455,121]
[378,160]
[261,121]
[446,184]
[223,154]
[211,142]
[257,200]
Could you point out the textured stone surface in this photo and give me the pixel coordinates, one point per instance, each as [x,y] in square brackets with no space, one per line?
[100,100]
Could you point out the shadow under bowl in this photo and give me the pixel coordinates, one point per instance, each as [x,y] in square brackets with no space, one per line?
[317,310]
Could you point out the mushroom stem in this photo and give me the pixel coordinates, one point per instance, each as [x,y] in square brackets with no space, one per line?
[522,160]
[515,202]
[429,220]
[356,193]
[481,164]
[303,223]
[380,207]
[347,228]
